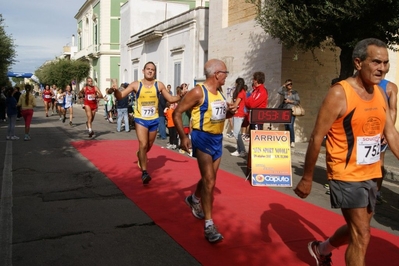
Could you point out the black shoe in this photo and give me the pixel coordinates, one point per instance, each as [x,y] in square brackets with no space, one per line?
[63,120]
[146,178]
[91,133]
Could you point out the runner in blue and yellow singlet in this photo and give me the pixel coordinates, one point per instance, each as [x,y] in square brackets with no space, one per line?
[147,91]
[209,111]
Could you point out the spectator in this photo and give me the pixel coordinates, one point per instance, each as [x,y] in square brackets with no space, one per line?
[291,98]
[238,118]
[121,108]
[11,105]
[258,97]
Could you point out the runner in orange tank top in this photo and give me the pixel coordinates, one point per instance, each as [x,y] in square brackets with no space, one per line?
[354,116]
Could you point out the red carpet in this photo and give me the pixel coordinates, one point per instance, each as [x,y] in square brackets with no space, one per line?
[261,226]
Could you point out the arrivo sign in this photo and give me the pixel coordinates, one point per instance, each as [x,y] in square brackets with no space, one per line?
[269,115]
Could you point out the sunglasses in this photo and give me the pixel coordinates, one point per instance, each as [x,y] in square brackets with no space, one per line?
[289,84]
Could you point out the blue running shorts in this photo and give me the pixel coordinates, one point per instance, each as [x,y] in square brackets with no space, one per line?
[151,125]
[211,144]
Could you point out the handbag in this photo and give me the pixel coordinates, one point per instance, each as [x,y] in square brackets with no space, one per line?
[297,110]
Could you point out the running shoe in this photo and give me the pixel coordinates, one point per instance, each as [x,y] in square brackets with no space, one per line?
[8,138]
[236,153]
[230,135]
[321,260]
[70,123]
[63,119]
[196,208]
[212,234]
[14,138]
[91,133]
[146,178]
[138,160]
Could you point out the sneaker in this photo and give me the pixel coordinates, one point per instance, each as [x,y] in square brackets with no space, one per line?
[243,154]
[327,187]
[169,146]
[70,123]
[321,260]
[63,119]
[196,208]
[146,178]
[91,133]
[230,135]
[182,151]
[8,138]
[239,154]
[236,153]
[212,234]
[26,138]
[46,115]
[14,138]
[292,144]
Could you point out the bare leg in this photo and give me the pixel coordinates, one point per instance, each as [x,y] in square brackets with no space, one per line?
[356,233]
[208,170]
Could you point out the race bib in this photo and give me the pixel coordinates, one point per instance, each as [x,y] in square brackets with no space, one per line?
[147,111]
[218,110]
[47,96]
[91,97]
[368,149]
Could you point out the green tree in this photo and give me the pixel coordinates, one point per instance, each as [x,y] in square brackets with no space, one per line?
[62,72]
[309,24]
[7,52]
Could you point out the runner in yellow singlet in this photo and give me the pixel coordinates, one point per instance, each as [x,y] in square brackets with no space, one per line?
[146,111]
[209,112]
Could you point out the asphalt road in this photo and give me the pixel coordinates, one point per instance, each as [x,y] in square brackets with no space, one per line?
[58,209]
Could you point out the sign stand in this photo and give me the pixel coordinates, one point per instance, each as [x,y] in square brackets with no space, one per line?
[261,116]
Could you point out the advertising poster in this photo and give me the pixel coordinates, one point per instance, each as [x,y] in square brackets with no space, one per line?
[271,158]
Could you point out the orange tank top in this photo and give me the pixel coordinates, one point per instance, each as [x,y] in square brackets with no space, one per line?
[353,141]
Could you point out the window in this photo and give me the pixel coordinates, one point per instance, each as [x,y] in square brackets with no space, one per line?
[95,34]
[177,76]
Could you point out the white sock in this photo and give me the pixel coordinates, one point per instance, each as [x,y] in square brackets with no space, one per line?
[325,247]
[90,129]
[208,223]
[195,199]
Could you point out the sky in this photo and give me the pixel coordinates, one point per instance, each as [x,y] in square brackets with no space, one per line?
[40,29]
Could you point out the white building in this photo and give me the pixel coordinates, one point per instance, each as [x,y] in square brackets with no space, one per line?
[171,35]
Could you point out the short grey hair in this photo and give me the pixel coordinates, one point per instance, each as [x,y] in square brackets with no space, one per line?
[360,50]
[212,66]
